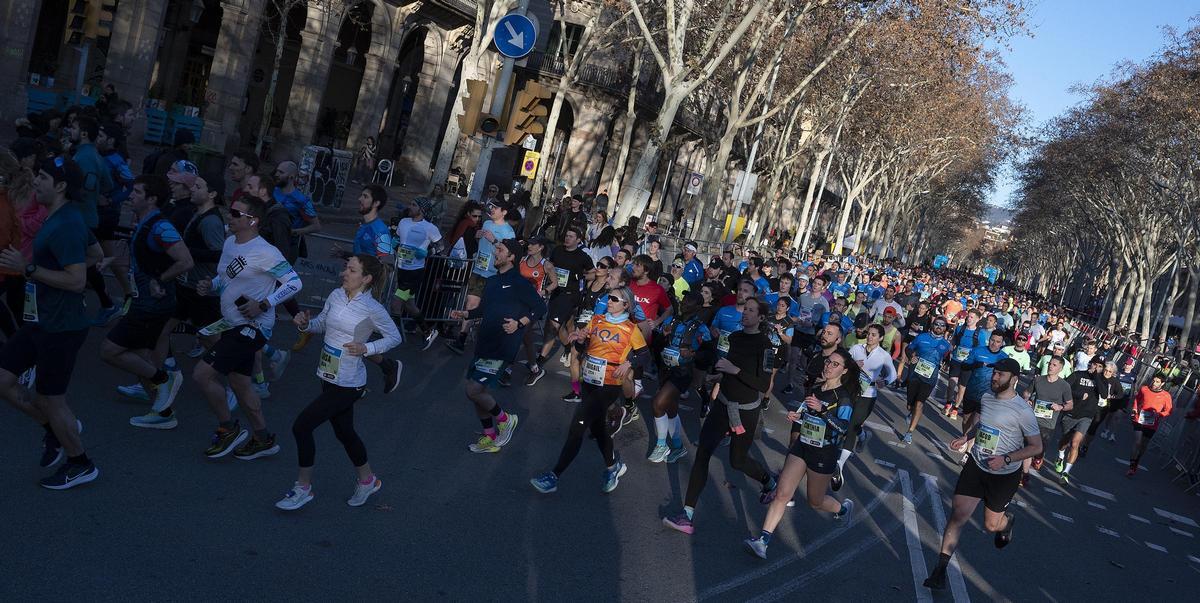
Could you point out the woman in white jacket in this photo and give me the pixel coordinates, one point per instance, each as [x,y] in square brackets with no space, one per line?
[348,319]
[877,371]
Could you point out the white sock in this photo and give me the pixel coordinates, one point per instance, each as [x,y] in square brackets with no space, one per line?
[842,459]
[1067,468]
[1062,454]
[661,426]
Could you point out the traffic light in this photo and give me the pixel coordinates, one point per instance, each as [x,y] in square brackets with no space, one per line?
[473,114]
[527,111]
[77,21]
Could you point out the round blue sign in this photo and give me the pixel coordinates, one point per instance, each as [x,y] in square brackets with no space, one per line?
[515,35]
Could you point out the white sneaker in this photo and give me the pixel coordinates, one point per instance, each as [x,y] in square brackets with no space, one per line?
[364,491]
[166,393]
[277,364]
[263,389]
[432,337]
[135,391]
[295,498]
[153,420]
[196,351]
[231,399]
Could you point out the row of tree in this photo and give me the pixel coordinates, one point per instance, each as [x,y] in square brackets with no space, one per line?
[1108,197]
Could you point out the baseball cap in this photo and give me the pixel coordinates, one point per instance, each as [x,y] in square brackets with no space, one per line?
[716,263]
[1007,365]
[890,311]
[184,178]
[861,321]
[543,241]
[185,166]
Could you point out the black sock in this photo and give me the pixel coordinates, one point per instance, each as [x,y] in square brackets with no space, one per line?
[487,423]
[166,413]
[943,561]
[159,378]
[496,410]
[82,459]
[229,425]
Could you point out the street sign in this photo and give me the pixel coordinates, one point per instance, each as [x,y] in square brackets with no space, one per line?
[529,143]
[530,163]
[515,35]
[694,182]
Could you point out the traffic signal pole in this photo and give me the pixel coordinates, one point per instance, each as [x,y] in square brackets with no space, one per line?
[490,143]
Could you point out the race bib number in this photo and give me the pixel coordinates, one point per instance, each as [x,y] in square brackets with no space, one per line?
[1102,402]
[594,370]
[671,357]
[331,358]
[585,316]
[1042,410]
[987,439]
[924,368]
[723,342]
[812,430]
[769,360]
[483,262]
[1147,418]
[961,353]
[563,275]
[488,366]
[407,254]
[864,382]
[219,326]
[29,313]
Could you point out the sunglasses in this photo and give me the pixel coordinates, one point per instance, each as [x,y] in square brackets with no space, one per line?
[604,266]
[613,298]
[236,213]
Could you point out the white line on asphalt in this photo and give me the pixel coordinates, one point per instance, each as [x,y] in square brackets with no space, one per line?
[1062,517]
[1104,530]
[562,373]
[885,463]
[895,443]
[1141,467]
[685,407]
[830,536]
[1054,491]
[933,454]
[1097,505]
[912,535]
[1156,547]
[1193,559]
[1021,503]
[957,586]
[1187,521]
[1136,518]
[1098,493]
[1183,533]
[877,426]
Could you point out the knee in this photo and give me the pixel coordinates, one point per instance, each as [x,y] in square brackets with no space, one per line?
[993,523]
[203,373]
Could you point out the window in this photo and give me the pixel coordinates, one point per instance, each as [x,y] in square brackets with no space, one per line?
[562,46]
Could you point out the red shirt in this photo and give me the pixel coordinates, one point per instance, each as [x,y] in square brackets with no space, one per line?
[651,297]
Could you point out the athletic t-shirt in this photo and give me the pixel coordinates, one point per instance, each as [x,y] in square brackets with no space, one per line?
[609,345]
[930,350]
[161,237]
[413,240]
[570,268]
[727,322]
[484,266]
[374,239]
[251,270]
[1042,393]
[651,297]
[1085,393]
[298,205]
[61,242]
[1003,427]
[980,381]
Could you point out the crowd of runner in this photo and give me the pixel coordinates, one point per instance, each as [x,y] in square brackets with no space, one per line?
[204,274]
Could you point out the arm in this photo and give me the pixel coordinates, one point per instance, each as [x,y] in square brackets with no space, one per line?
[312,226]
[384,324]
[183,262]
[213,233]
[316,324]
[284,273]
[533,302]
[72,277]
[94,255]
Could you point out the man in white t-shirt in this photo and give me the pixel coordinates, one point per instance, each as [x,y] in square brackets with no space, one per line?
[414,236]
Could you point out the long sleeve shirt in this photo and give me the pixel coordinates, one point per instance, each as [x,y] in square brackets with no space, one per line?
[749,353]
[345,320]
[505,295]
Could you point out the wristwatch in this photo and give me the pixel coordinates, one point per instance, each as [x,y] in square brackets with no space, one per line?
[1007,461]
[264,306]
[30,269]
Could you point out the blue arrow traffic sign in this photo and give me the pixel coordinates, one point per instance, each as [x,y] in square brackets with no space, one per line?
[515,35]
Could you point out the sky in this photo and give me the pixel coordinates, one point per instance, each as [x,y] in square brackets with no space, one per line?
[1080,41]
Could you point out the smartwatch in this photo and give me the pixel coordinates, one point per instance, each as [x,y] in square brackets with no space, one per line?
[30,269]
[1007,461]
[264,306]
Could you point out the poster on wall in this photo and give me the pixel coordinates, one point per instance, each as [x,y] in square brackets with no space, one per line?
[323,174]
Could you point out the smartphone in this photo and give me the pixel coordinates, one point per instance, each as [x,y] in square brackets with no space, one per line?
[241,300]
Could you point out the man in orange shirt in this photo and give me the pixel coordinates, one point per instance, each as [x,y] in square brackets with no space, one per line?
[1150,407]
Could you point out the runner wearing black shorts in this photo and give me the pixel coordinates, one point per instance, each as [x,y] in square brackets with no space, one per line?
[571,265]
[682,340]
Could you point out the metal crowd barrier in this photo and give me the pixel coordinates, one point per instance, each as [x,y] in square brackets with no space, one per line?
[443,286]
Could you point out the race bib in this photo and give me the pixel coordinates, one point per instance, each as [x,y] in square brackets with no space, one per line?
[805,315]
[987,439]
[407,254]
[670,357]
[594,370]
[864,382]
[483,262]
[1102,402]
[1042,410]
[924,368]
[961,353]
[585,316]
[812,430]
[327,367]
[723,342]
[563,275]
[488,366]
[30,311]
[1147,418]
[216,327]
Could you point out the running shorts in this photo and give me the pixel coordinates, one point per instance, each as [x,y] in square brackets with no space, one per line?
[1070,424]
[234,351]
[821,460]
[1147,432]
[955,369]
[919,390]
[138,330]
[996,490]
[971,405]
[407,283]
[562,307]
[52,353]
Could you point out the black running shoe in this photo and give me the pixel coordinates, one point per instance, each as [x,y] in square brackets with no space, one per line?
[52,451]
[936,580]
[572,397]
[631,414]
[1004,537]
[836,481]
[391,374]
[70,475]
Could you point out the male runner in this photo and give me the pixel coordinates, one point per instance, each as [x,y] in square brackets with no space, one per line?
[493,231]
[415,237]
[571,265]
[1085,393]
[926,352]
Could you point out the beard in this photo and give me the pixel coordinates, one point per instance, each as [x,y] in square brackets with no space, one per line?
[1003,386]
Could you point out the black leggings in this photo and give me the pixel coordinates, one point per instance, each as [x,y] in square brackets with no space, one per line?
[336,405]
[862,409]
[592,413]
[95,281]
[715,426]
[13,289]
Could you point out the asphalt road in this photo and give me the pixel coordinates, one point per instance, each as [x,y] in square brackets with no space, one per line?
[164,523]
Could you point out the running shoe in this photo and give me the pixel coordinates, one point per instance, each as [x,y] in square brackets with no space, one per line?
[28,378]
[454,346]
[429,339]
[484,444]
[1025,480]
[676,454]
[1059,465]
[572,397]
[1036,463]
[364,491]
[70,475]
[612,476]
[631,414]
[680,523]
[164,397]
[908,437]
[565,358]
[197,350]
[545,483]
[504,431]
[263,390]
[1132,470]
[1112,436]
[1065,478]
[153,420]
[135,391]
[757,547]
[391,374]
[295,498]
[637,388]
[506,377]
[616,419]
[535,375]
[836,481]
[301,341]
[863,438]
[225,440]
[946,409]
[936,580]
[106,314]
[52,451]
[659,454]
[255,448]
[1004,537]
[767,493]
[277,364]
[1104,434]
[846,510]
[953,413]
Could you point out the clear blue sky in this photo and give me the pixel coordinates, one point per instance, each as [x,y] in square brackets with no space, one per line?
[1080,41]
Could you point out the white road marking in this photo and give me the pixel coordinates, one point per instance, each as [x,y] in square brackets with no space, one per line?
[1183,533]
[877,426]
[958,587]
[1193,559]
[885,463]
[933,454]
[1054,491]
[1062,517]
[1156,547]
[1021,503]
[912,535]
[685,407]
[1187,521]
[895,443]
[1098,493]
[1136,518]
[1104,530]
[1097,505]
[1125,462]
[562,373]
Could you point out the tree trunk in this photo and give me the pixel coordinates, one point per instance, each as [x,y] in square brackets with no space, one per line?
[714,178]
[545,161]
[614,188]
[1185,338]
[269,101]
[632,198]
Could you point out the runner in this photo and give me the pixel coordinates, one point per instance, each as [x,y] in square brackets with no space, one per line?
[493,231]
[927,352]
[978,370]
[685,336]
[350,315]
[246,279]
[1018,351]
[595,287]
[571,264]
[919,321]
[1085,397]
[1006,434]
[1048,395]
[55,325]
[158,258]
[1151,405]
[537,270]
[1113,398]
[415,238]
[508,304]
[824,421]
[728,321]
[966,338]
[875,370]
[743,381]
[614,347]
